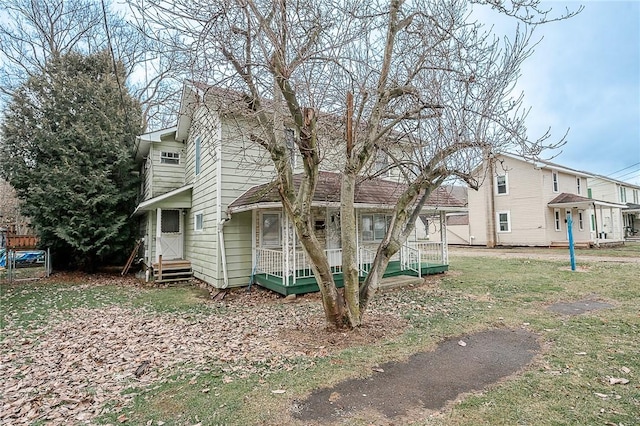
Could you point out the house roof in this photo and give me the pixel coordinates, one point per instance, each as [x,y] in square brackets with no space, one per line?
[572,200]
[632,208]
[144,141]
[180,202]
[373,193]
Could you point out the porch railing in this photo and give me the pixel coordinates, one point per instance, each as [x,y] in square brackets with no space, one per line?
[412,256]
[410,259]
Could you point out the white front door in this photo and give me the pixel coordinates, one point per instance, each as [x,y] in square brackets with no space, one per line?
[171,237]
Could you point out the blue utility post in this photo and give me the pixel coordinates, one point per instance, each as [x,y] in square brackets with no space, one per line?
[572,252]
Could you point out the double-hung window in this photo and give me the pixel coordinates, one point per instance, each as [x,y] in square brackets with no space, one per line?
[504,221]
[554,178]
[501,185]
[198,221]
[198,155]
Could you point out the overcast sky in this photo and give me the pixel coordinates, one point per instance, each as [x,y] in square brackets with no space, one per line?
[585,76]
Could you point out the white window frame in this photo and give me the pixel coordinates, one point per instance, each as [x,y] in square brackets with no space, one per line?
[507,213]
[375,218]
[506,184]
[171,158]
[581,220]
[554,181]
[197,155]
[623,194]
[635,196]
[198,221]
[579,185]
[263,242]
[557,220]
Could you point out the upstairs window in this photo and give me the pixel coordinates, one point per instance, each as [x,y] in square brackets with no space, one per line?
[554,178]
[501,184]
[579,186]
[290,140]
[169,157]
[623,194]
[381,164]
[635,196]
[198,153]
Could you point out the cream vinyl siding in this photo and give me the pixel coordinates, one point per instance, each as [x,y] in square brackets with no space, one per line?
[165,177]
[201,247]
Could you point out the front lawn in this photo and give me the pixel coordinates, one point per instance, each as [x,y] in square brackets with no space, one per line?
[70,351]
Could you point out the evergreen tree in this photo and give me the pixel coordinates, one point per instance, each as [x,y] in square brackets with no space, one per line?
[66,147]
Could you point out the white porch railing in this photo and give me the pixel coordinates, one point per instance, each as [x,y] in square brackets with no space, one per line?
[412,256]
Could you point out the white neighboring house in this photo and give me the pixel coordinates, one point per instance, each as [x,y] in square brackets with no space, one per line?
[522,202]
[604,188]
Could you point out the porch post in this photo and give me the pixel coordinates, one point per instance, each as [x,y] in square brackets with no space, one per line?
[158,233]
[443,238]
[285,254]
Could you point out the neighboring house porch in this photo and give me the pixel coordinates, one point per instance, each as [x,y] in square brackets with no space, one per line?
[595,222]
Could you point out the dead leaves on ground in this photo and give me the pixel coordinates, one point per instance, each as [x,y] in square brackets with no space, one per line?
[83,363]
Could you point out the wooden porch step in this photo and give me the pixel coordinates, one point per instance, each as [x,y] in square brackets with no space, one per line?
[173,270]
[399,281]
[565,244]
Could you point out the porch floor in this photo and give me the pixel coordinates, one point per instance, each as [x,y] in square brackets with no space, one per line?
[309,284]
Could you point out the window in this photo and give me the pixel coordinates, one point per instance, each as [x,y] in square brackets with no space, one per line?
[589,193]
[198,155]
[579,185]
[290,140]
[554,177]
[593,222]
[504,222]
[635,196]
[170,157]
[381,164]
[270,229]
[556,219]
[198,221]
[170,221]
[374,226]
[501,184]
[581,220]
[623,194]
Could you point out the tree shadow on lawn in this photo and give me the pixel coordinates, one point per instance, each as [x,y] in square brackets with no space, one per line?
[427,380]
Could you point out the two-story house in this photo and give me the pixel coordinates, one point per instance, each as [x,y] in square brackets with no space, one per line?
[612,190]
[208,206]
[524,202]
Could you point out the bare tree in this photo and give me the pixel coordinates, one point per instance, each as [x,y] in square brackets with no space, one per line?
[34,32]
[420,81]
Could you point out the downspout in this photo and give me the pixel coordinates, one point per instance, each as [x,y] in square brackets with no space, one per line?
[223,252]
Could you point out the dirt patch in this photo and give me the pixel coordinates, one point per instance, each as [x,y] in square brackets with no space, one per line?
[579,307]
[426,381]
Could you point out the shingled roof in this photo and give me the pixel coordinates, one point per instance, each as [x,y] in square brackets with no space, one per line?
[565,200]
[369,192]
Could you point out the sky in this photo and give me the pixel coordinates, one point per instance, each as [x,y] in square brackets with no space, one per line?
[585,76]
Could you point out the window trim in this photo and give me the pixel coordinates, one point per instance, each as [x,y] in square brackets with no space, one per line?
[579,185]
[506,184]
[198,155]
[555,185]
[374,216]
[557,220]
[170,158]
[499,222]
[262,239]
[195,221]
[581,220]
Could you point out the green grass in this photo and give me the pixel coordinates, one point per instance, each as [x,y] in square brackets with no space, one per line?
[579,353]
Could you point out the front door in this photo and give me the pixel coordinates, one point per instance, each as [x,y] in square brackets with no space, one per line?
[171,237]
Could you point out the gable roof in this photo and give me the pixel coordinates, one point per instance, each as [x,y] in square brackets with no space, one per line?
[369,193]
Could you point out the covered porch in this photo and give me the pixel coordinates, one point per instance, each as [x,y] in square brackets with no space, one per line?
[414,259]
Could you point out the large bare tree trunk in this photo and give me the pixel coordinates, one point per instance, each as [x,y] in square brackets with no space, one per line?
[350,249]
